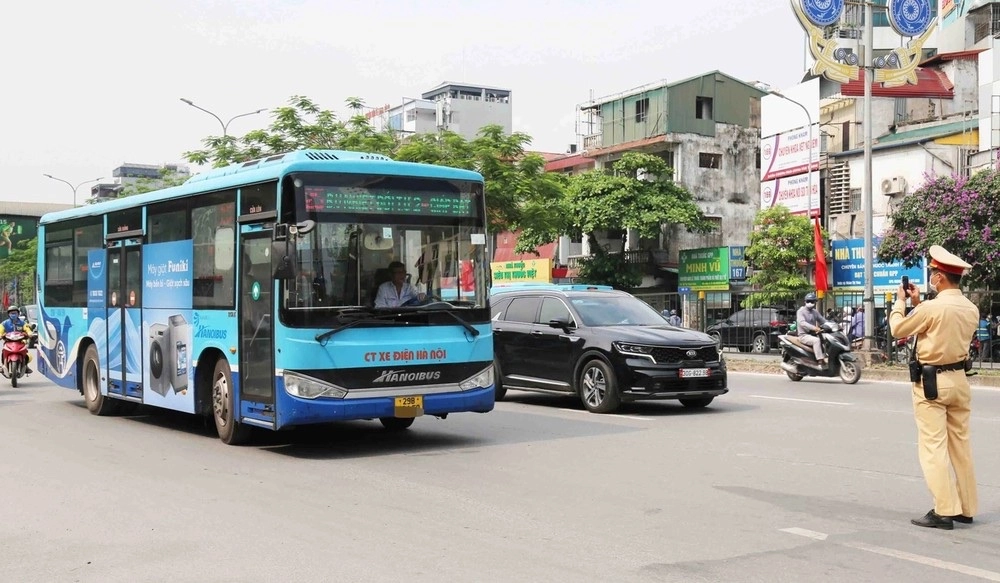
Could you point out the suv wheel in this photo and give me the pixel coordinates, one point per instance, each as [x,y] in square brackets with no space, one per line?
[760,344]
[598,387]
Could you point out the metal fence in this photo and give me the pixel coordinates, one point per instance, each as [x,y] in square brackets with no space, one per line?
[700,311]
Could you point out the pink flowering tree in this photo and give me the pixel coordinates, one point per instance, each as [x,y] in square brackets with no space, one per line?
[960,214]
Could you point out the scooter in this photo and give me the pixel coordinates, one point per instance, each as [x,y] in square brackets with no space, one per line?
[14,355]
[798,360]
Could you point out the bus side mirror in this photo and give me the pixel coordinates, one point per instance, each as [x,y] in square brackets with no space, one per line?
[282,265]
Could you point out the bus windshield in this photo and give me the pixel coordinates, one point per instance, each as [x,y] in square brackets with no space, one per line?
[435,228]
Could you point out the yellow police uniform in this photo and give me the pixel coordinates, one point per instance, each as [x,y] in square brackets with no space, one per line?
[944,327]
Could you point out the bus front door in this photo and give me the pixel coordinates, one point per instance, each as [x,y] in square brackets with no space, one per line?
[124,297]
[256,386]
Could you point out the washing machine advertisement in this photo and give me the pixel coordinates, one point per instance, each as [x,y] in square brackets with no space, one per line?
[166,325]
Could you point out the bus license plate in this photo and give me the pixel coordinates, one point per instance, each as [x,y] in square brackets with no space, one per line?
[412,406]
[694,373]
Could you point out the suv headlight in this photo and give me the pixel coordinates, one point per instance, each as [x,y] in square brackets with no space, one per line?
[483,378]
[629,349]
[310,388]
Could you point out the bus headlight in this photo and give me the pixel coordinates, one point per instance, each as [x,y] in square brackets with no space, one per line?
[310,388]
[483,378]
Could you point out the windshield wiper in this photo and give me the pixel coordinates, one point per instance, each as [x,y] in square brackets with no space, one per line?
[472,330]
[321,338]
[424,309]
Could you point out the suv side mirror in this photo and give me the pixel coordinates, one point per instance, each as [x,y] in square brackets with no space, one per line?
[561,323]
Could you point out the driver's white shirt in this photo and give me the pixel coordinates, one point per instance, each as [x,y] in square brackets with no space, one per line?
[388,297]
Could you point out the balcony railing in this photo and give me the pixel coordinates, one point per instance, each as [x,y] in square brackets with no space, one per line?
[640,257]
[592,142]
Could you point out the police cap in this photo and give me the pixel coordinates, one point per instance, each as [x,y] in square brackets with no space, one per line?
[942,260]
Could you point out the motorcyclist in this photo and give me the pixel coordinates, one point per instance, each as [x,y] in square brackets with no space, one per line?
[14,322]
[808,321]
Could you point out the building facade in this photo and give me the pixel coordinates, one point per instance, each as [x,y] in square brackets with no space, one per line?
[461,108]
[706,128]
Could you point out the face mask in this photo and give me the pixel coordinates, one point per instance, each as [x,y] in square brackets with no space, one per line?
[811,305]
[933,287]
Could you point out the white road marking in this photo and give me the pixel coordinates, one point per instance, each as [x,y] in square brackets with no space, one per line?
[972,381]
[601,415]
[902,555]
[806,533]
[929,561]
[801,400]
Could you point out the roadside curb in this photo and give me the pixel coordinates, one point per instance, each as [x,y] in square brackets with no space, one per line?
[872,374]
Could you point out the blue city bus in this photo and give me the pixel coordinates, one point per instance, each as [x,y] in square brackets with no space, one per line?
[248,294]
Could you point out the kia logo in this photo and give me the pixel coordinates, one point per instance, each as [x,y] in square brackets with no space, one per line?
[691,353]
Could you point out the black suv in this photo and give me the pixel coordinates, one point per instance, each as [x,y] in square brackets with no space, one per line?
[604,345]
[752,330]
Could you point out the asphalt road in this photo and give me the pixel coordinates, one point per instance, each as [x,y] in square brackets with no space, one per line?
[776,481]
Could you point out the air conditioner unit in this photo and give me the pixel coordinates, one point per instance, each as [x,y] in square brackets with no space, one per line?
[893,186]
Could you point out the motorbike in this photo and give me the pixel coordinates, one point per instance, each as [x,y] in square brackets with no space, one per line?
[14,355]
[798,360]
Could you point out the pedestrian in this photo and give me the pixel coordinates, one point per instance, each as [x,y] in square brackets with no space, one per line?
[857,329]
[943,327]
[673,319]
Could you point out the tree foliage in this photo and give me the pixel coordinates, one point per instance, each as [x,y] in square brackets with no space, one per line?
[20,266]
[957,213]
[167,179]
[613,269]
[300,124]
[520,195]
[640,194]
[779,244]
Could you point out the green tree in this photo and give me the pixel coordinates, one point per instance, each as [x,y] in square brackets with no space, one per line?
[167,179]
[640,194]
[300,124]
[20,266]
[780,244]
[957,213]
[520,195]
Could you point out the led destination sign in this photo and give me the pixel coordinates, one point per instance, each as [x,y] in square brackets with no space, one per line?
[333,199]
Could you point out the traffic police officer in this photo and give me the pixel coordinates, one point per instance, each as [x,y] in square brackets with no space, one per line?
[943,327]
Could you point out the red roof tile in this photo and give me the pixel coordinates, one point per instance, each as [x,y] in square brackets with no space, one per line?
[930,83]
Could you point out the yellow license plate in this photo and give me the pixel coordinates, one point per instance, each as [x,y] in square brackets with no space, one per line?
[412,406]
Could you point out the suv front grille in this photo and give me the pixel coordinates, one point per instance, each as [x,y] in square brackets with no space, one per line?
[678,355]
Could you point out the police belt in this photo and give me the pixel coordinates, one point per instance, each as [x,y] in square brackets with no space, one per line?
[950,367]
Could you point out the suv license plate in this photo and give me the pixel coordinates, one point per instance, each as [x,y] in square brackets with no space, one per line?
[694,373]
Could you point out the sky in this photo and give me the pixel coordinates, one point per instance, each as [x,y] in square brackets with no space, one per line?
[91,85]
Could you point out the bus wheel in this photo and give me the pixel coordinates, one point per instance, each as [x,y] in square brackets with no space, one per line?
[396,423]
[231,432]
[90,379]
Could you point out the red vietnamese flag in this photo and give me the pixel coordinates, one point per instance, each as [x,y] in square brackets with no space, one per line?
[820,257]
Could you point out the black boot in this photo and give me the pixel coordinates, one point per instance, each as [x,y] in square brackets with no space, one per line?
[934,520]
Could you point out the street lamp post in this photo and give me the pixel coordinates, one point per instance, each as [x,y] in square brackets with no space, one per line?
[69,184]
[866,191]
[225,125]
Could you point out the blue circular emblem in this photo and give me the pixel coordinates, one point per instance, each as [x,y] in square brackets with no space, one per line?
[910,17]
[822,12]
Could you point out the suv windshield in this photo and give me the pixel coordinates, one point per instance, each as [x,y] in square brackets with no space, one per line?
[616,311]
